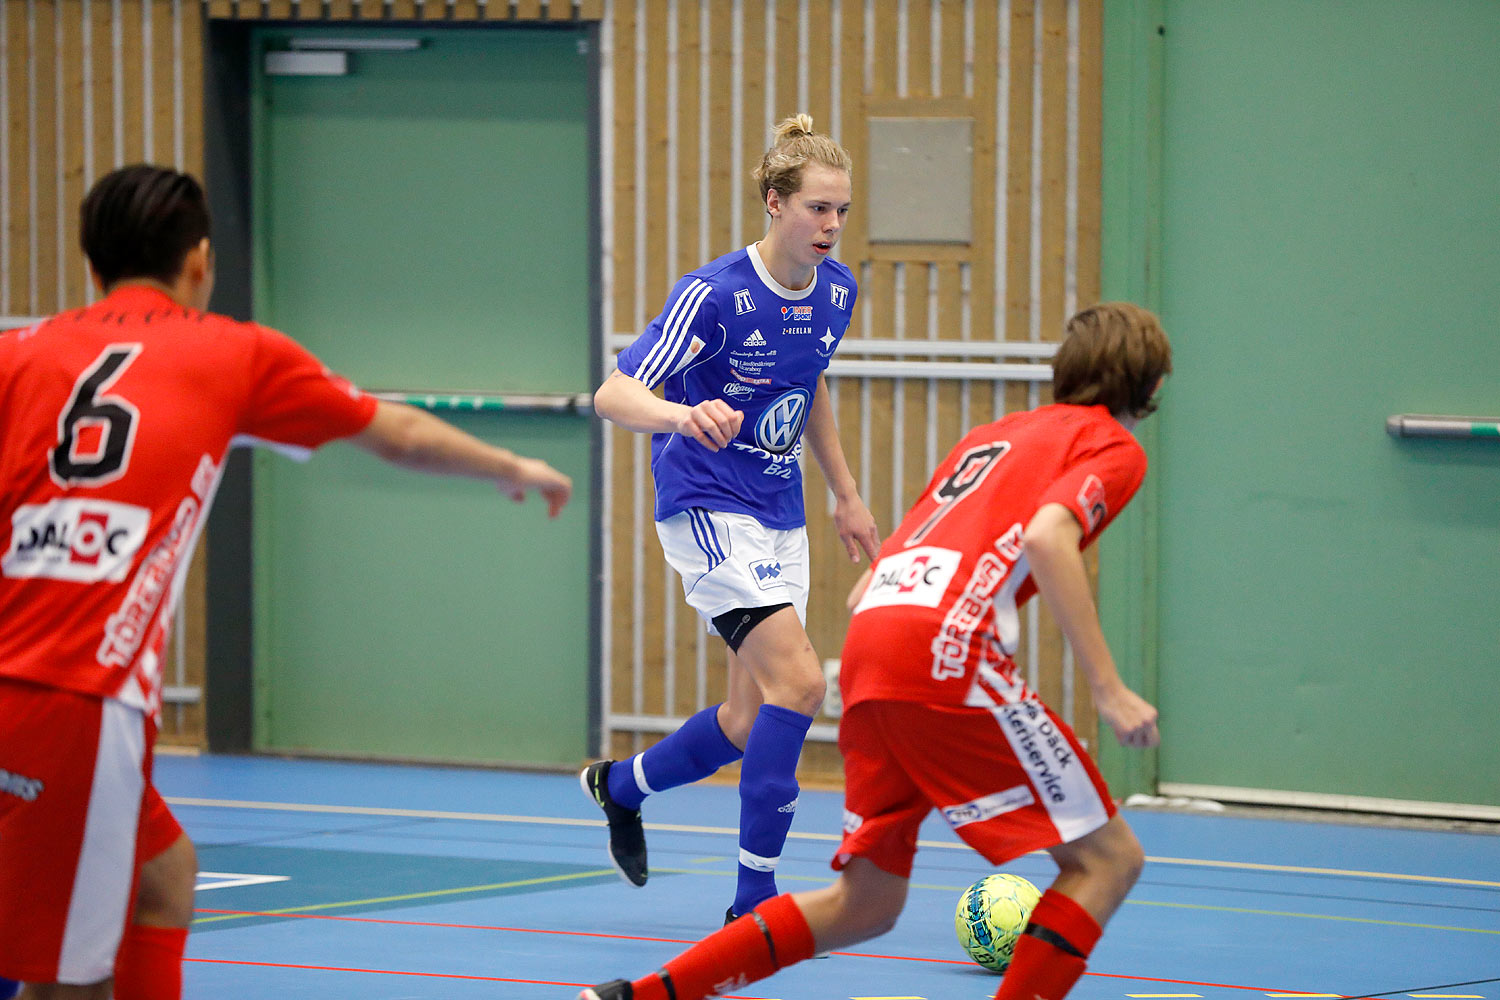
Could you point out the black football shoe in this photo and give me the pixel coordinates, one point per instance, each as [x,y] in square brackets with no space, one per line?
[627,838]
[615,989]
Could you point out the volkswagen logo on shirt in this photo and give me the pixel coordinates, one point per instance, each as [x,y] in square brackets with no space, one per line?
[780,425]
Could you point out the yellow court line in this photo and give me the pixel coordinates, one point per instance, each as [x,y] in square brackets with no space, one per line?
[1313,916]
[1298,870]
[794,835]
[1147,902]
[410,895]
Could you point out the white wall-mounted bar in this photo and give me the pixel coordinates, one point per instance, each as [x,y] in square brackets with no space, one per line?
[916,348]
[357,44]
[560,402]
[1427,425]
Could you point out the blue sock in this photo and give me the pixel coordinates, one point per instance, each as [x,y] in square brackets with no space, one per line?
[696,750]
[768,800]
[9,988]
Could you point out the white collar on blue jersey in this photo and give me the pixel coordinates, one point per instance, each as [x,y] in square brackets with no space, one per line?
[773,284]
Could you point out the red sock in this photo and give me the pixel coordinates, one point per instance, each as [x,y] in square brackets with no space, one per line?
[148,965]
[772,937]
[1045,965]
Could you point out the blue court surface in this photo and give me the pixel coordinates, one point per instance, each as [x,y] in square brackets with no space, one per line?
[364,881]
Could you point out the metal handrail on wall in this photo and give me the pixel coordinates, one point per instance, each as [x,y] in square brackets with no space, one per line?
[1429,426]
[472,402]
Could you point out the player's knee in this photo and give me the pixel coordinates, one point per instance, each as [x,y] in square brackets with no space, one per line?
[1119,857]
[1130,859]
[804,693]
[164,896]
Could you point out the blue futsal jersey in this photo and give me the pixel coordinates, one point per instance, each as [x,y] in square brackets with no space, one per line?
[731,331]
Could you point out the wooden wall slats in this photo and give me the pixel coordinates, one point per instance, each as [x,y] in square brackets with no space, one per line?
[46,179]
[685,134]
[850,130]
[784,42]
[819,42]
[988,245]
[1053,161]
[1090,130]
[919,48]
[1018,179]
[722,171]
[755,129]
[953,47]
[528,10]
[655,263]
[73,281]
[17,252]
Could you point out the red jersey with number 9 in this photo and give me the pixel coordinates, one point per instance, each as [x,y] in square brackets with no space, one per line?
[114,424]
[939,622]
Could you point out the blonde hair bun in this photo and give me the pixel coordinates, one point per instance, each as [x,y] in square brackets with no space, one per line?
[794,144]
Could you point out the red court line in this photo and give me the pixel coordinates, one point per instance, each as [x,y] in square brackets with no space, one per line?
[629,937]
[403,972]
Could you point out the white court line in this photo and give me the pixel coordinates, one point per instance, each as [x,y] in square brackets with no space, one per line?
[231,880]
[794,835]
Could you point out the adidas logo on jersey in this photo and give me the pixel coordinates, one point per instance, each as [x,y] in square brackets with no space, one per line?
[755,339]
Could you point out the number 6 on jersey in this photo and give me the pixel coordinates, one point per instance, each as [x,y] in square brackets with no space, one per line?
[95,432]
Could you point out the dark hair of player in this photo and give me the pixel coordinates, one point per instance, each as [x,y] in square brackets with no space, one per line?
[1114,355]
[140,221]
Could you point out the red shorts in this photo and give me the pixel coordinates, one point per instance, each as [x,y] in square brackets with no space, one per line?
[159,828]
[73,772]
[1009,780]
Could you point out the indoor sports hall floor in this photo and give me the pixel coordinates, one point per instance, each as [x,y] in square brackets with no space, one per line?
[361,881]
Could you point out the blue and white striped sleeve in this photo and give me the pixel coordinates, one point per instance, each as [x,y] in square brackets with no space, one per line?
[673,339]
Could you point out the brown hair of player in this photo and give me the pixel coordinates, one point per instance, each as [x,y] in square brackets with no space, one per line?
[794,145]
[1115,355]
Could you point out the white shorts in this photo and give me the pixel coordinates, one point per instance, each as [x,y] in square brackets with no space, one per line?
[730,561]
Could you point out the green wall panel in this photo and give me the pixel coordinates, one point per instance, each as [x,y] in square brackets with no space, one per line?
[427,222]
[1330,247]
[419,221]
[401,616]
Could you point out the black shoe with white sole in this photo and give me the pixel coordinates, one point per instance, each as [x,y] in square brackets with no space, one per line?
[615,989]
[627,838]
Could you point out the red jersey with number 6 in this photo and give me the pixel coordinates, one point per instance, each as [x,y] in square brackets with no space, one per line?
[939,622]
[114,424]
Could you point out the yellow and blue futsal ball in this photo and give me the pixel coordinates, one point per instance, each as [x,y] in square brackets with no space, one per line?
[991,915]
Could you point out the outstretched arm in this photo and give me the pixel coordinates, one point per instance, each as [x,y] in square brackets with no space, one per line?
[414,439]
[627,402]
[1051,543]
[855,524]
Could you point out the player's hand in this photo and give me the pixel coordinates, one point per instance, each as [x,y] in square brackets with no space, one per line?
[856,526]
[1132,717]
[534,475]
[713,423]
